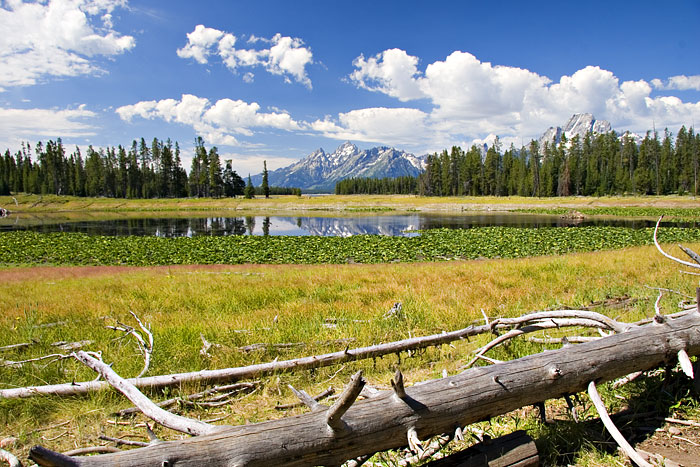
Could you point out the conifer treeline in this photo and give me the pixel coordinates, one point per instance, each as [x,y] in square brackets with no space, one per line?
[142,171]
[595,165]
[377,186]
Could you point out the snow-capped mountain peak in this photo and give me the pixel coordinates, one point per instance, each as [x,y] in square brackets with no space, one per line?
[320,170]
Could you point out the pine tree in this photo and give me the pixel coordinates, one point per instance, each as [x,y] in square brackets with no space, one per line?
[668,171]
[233,183]
[535,168]
[574,158]
[249,192]
[591,159]
[474,170]
[265,185]
[492,168]
[5,171]
[643,180]
[216,188]
[133,189]
[694,157]
[146,170]
[179,176]
[94,173]
[122,174]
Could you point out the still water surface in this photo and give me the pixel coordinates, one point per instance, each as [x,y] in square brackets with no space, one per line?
[391,225]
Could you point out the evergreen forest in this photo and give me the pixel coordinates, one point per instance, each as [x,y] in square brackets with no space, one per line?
[377,186]
[141,171]
[595,165]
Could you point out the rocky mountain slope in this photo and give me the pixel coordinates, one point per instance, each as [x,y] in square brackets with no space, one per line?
[321,170]
[578,125]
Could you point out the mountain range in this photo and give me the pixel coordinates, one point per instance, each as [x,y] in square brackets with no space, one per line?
[319,171]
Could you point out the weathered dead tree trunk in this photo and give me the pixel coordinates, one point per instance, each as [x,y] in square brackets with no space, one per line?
[329,437]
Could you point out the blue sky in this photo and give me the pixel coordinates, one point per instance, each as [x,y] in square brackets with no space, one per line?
[275,80]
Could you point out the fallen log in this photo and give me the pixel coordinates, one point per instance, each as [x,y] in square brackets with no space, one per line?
[235,374]
[392,418]
[228,375]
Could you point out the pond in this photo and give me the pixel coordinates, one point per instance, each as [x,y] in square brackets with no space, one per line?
[219,224]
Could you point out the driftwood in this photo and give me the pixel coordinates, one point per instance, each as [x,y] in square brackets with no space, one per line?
[391,419]
[165,418]
[305,399]
[260,346]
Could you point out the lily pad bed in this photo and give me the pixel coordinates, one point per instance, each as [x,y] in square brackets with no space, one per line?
[29,248]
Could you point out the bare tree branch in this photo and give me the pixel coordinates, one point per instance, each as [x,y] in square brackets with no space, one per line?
[307,400]
[146,348]
[544,315]
[91,450]
[54,357]
[229,388]
[612,429]
[15,346]
[125,442]
[694,256]
[537,326]
[673,258]
[152,411]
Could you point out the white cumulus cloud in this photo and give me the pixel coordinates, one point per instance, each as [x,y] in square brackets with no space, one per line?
[470,99]
[392,72]
[217,123]
[393,126]
[679,83]
[200,43]
[286,56]
[56,38]
[32,124]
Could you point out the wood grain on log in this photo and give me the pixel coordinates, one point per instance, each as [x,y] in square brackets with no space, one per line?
[514,449]
[438,406]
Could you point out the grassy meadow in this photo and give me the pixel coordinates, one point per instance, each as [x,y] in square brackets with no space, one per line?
[27,203]
[315,304]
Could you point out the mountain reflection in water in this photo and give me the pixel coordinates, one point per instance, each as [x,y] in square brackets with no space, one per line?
[390,225]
